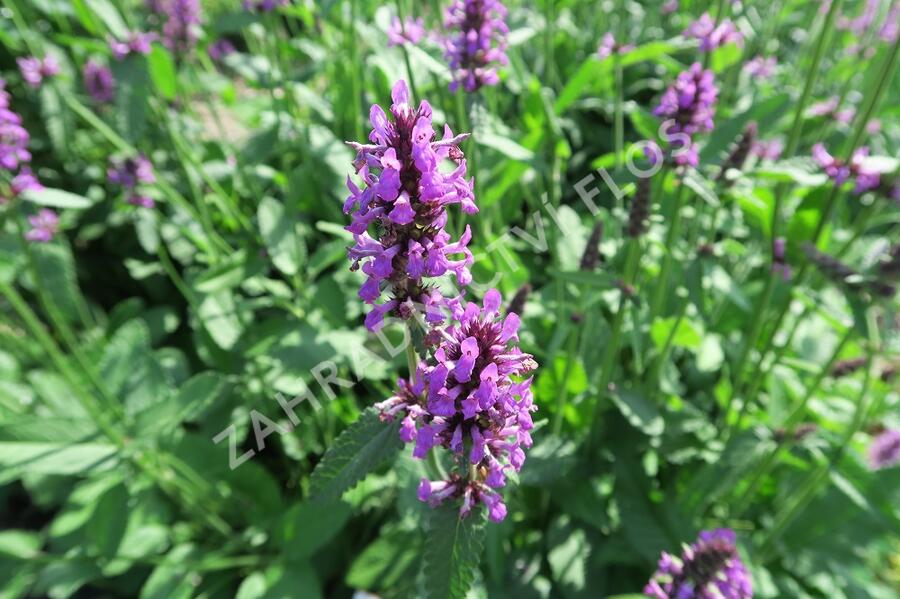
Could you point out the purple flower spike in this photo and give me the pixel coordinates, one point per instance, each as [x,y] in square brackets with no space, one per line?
[129,173]
[404,198]
[761,68]
[884,452]
[219,49]
[44,226]
[609,46]
[708,569]
[472,402]
[137,42]
[714,36]
[866,178]
[35,70]
[478,42]
[99,82]
[689,105]
[182,22]
[410,31]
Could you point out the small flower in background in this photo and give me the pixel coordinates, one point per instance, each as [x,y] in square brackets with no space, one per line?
[99,82]
[219,49]
[44,226]
[609,46]
[182,22]
[884,452]
[24,181]
[155,6]
[866,178]
[137,42]
[409,31]
[761,68]
[478,42]
[263,5]
[779,259]
[470,403]
[405,195]
[770,149]
[859,25]
[709,568]
[669,7]
[14,137]
[830,109]
[891,27]
[129,173]
[35,70]
[713,36]
[689,104]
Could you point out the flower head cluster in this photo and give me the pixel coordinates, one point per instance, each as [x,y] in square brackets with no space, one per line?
[35,70]
[830,109]
[137,42]
[405,198]
[609,46]
[767,149]
[713,36]
[866,177]
[130,173]
[708,569]
[44,226]
[478,42]
[690,105]
[891,27]
[779,259]
[860,24]
[884,452]
[219,49]
[409,31]
[472,402]
[182,21]
[99,82]
[761,68]
[14,154]
[263,5]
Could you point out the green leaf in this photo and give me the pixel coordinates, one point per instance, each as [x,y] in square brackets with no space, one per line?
[218,314]
[686,335]
[132,95]
[56,271]
[310,525]
[282,580]
[639,412]
[362,447]
[107,12]
[278,230]
[228,274]
[390,561]
[453,551]
[17,458]
[568,554]
[162,72]
[192,400]
[505,146]
[56,198]
[21,544]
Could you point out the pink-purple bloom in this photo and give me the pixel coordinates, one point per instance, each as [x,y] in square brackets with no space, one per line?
[669,7]
[712,36]
[130,173]
[263,5]
[409,31]
[830,108]
[221,48]
[689,107]
[891,27]
[760,67]
[34,70]
[779,259]
[472,401]
[860,24]
[137,42]
[477,44]
[884,452]
[98,81]
[13,136]
[866,177]
[609,46]
[768,149]
[182,22]
[708,569]
[404,199]
[44,226]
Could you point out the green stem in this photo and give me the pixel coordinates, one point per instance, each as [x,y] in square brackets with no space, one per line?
[619,116]
[672,234]
[409,70]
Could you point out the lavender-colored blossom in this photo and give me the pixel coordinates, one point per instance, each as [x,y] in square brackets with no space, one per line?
[708,569]
[136,42]
[99,82]
[182,21]
[609,46]
[884,452]
[472,402]
[477,44]
[713,36]
[409,31]
[761,68]
[130,173]
[689,106]
[263,5]
[23,181]
[891,27]
[44,226]
[13,136]
[769,149]
[219,49]
[860,24]
[405,198]
[830,108]
[669,7]
[779,259]
[866,177]
[35,70]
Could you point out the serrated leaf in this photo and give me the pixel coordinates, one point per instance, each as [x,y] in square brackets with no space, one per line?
[56,270]
[361,448]
[452,553]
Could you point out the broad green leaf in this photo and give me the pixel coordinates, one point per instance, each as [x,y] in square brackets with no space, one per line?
[286,247]
[390,561]
[106,11]
[21,544]
[219,317]
[193,398]
[56,198]
[568,554]
[228,274]
[453,551]
[162,71]
[505,146]
[639,412]
[56,271]
[362,447]
[685,335]
[132,95]
[295,579]
[17,458]
[169,579]
[310,525]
